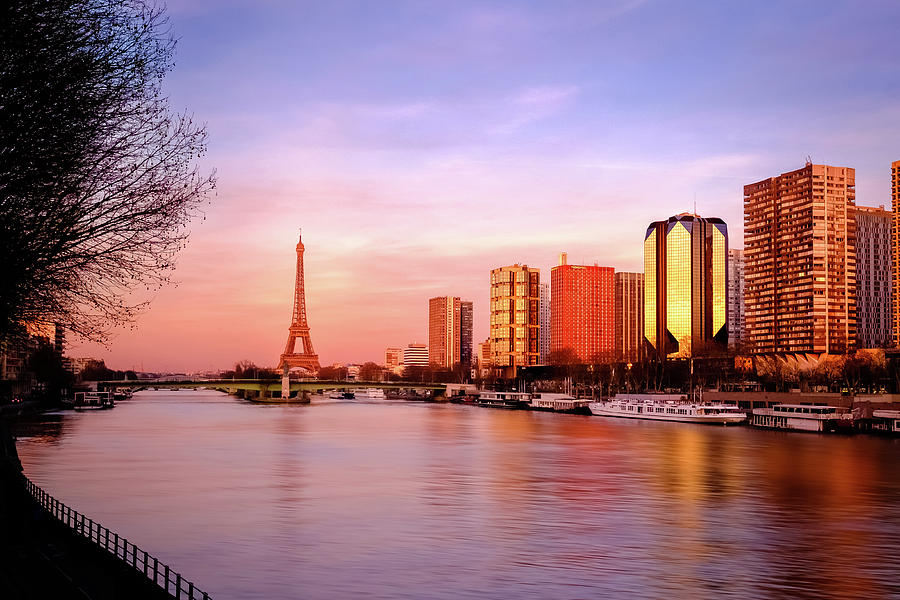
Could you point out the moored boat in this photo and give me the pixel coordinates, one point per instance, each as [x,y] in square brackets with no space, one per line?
[369,394]
[91,401]
[887,421]
[560,403]
[803,417]
[668,407]
[504,399]
[122,394]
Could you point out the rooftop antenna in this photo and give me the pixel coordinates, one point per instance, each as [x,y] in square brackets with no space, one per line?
[808,160]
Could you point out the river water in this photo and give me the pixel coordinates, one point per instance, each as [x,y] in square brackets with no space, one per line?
[413,500]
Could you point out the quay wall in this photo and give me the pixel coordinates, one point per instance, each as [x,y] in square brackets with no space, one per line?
[43,557]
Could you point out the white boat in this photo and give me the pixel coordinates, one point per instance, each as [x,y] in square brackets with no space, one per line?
[369,394]
[668,407]
[803,417]
[887,421]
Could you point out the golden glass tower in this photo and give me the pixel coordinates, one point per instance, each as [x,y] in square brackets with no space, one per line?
[685,285]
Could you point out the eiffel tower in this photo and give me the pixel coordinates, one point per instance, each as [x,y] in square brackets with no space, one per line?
[299,329]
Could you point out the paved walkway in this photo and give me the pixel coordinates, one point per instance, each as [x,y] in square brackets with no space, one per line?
[41,558]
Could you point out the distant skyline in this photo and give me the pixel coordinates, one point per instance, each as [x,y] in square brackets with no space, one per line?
[421,145]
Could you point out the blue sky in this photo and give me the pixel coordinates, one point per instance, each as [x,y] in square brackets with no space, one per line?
[419,144]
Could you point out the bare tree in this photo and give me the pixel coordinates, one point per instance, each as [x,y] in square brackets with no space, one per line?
[98,178]
[370,372]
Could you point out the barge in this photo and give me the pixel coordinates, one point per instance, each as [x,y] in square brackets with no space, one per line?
[803,417]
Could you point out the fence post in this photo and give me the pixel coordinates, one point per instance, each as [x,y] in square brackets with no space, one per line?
[177,586]
[155,568]
[167,579]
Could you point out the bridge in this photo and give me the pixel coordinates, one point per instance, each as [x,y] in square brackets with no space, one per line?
[270,390]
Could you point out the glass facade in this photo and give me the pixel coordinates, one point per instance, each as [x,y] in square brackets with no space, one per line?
[719,277]
[685,285]
[650,287]
[679,307]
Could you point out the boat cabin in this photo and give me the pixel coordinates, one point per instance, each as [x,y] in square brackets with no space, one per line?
[887,421]
[802,417]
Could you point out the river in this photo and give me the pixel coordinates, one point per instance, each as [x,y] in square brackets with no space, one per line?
[394,500]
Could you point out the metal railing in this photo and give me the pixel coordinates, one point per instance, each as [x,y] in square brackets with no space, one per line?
[160,574]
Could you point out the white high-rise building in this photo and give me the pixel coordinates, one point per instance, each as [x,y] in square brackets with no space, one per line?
[415,355]
[544,336]
[736,322]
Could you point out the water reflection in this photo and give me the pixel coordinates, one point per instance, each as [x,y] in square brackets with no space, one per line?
[391,500]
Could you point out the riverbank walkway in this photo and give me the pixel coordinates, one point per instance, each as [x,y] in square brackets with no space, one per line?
[49,550]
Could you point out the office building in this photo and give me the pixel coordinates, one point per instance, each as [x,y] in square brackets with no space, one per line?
[685,286]
[466,317]
[443,331]
[895,251]
[515,317]
[800,261]
[393,357]
[583,313]
[484,353]
[415,355]
[544,336]
[449,331]
[873,277]
[736,318]
[629,317]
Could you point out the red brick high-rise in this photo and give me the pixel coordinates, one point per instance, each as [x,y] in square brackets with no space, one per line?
[444,318]
[583,311]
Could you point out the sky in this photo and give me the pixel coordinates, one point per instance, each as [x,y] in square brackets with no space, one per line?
[420,144]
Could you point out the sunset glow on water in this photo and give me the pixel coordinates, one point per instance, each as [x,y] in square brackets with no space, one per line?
[414,500]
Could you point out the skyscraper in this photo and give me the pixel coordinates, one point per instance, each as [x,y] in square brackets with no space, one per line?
[544,338]
[685,285]
[465,332]
[449,331]
[583,314]
[515,318]
[800,261]
[443,331]
[873,277]
[895,250]
[736,315]
[629,317]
